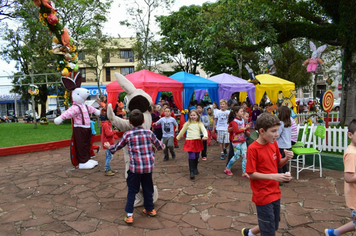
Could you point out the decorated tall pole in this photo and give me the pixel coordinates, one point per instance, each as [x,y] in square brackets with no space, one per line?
[62,44]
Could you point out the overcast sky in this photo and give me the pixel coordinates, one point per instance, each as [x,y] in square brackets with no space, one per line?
[112,27]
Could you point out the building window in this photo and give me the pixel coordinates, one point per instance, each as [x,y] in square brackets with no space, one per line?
[81,55]
[126,70]
[127,54]
[106,58]
[82,73]
[107,74]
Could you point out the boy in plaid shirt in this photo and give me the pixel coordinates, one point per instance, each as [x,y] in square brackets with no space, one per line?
[139,142]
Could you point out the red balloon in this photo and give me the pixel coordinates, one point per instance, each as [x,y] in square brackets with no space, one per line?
[52,19]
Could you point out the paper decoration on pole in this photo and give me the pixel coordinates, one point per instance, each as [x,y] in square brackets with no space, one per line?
[62,44]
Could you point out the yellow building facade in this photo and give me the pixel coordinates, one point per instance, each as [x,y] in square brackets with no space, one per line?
[120,59]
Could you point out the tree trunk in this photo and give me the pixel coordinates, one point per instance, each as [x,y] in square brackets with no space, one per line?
[348,106]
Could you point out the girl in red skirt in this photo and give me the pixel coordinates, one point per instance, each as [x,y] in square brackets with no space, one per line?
[193,143]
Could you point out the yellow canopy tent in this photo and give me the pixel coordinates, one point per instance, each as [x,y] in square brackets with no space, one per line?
[272,85]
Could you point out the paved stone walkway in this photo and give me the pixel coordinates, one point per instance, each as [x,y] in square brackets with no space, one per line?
[41,194]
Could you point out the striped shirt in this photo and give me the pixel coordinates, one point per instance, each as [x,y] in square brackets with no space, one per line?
[139,142]
[294,134]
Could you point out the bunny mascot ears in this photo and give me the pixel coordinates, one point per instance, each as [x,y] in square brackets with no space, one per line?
[317,52]
[125,84]
[70,83]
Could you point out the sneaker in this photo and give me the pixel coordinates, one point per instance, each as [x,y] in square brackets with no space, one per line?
[109,173]
[329,232]
[92,157]
[222,157]
[176,146]
[228,172]
[97,151]
[128,219]
[245,231]
[166,158]
[150,213]
[173,156]
[204,158]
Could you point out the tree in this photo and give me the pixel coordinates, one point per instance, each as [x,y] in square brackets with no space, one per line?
[7,9]
[181,40]
[231,25]
[328,21]
[31,40]
[30,43]
[196,35]
[98,49]
[141,12]
[265,23]
[289,58]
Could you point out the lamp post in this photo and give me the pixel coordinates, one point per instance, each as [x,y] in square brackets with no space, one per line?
[15,96]
[34,91]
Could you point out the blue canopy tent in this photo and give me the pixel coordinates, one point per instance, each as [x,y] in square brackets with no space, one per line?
[192,82]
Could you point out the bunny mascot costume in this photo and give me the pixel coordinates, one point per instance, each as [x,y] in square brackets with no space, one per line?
[314,61]
[135,99]
[80,113]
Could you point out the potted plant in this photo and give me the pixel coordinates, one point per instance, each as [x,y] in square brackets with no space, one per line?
[44,121]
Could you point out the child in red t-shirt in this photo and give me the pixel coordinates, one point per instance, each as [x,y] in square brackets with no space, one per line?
[263,160]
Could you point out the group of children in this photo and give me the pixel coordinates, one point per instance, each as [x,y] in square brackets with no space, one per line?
[263,161]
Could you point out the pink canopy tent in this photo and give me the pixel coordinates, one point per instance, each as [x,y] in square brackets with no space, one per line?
[151,83]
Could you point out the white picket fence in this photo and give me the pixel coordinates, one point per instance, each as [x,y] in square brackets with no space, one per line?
[334,117]
[336,139]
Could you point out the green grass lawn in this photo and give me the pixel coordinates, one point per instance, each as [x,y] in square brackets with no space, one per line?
[16,134]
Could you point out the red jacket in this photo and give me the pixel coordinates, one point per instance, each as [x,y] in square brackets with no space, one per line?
[237,134]
[107,133]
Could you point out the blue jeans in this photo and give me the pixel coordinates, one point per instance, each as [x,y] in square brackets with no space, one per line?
[269,217]
[108,157]
[240,149]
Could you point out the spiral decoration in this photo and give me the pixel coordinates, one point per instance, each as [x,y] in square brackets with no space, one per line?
[328,101]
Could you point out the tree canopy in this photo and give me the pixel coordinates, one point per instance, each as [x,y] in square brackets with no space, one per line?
[142,20]
[234,27]
[30,42]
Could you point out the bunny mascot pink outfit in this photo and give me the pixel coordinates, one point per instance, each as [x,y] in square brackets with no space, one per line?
[314,61]
[79,112]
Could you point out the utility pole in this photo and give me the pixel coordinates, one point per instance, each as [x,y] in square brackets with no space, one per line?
[32,95]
